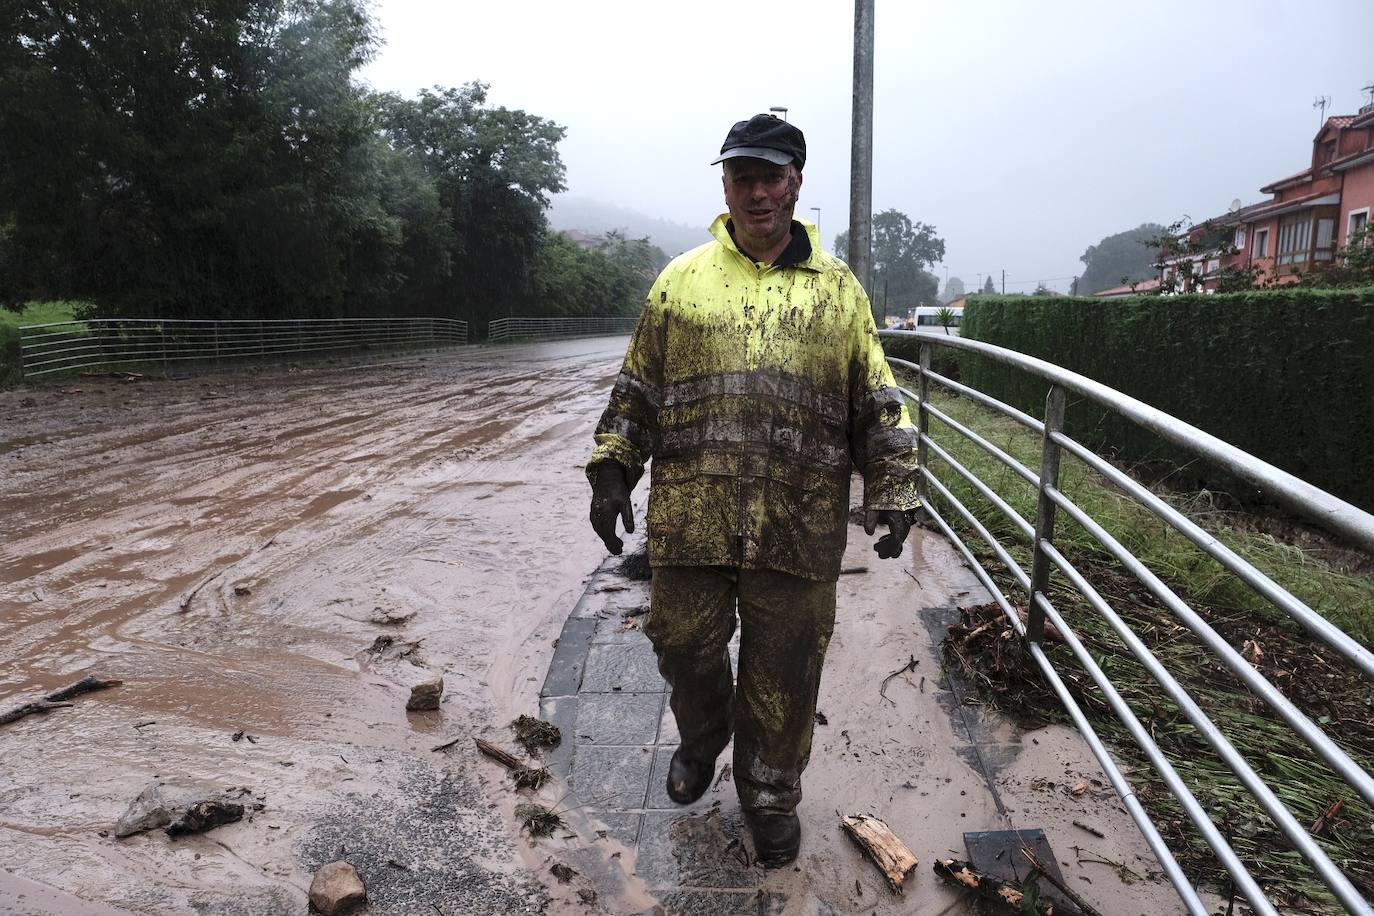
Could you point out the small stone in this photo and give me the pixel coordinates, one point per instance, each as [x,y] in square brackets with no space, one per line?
[426,694]
[146,812]
[337,888]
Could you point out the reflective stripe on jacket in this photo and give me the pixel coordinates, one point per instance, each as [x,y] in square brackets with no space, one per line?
[755,389]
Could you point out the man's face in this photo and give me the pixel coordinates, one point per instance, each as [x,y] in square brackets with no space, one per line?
[761,197]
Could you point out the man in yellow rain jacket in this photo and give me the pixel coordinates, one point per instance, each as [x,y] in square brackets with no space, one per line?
[756,382]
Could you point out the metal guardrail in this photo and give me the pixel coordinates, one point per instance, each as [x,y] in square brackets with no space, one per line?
[1299,496]
[69,345]
[502,330]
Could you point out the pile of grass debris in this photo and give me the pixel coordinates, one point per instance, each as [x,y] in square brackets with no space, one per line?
[1312,677]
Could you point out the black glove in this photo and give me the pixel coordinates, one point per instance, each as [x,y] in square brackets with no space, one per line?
[611,498]
[898,525]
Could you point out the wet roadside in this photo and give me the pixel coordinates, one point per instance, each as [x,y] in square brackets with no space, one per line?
[269,564]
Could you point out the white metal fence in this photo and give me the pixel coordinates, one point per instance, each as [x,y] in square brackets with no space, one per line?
[1032,592]
[154,342]
[507,329]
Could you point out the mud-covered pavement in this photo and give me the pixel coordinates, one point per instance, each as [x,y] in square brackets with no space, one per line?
[443,494]
[233,547]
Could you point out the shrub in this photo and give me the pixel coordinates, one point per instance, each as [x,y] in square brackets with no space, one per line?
[1283,374]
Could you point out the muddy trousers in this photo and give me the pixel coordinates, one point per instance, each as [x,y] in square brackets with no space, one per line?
[785,626]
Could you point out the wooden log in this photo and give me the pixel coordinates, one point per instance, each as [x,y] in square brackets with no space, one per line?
[58,699]
[87,684]
[505,758]
[882,846]
[987,887]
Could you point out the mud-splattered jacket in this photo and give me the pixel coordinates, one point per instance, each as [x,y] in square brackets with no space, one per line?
[754,389]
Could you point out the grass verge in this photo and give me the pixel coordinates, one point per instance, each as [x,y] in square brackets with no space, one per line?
[1317,681]
[50,312]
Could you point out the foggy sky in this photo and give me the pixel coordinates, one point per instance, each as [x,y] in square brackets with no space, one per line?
[1024,130]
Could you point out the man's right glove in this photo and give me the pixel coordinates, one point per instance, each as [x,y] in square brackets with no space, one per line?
[611,498]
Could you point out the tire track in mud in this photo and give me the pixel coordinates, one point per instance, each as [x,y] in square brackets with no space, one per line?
[450,490]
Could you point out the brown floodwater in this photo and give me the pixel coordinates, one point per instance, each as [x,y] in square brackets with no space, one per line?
[230,546]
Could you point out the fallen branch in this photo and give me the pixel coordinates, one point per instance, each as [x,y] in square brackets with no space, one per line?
[1064,889]
[503,757]
[525,777]
[882,846]
[58,699]
[185,603]
[909,666]
[987,887]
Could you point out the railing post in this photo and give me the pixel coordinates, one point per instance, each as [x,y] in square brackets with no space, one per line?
[1045,512]
[923,425]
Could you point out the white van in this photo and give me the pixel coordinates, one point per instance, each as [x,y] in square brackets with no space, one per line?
[925,318]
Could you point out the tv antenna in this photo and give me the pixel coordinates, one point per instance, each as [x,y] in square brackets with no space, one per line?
[1370,90]
[1322,102]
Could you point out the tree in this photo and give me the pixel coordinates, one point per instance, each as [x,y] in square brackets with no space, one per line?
[1119,259]
[494,169]
[902,250]
[988,288]
[186,158]
[954,288]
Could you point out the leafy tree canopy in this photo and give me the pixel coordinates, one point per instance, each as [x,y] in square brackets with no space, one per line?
[217,158]
[1123,255]
[988,286]
[902,252]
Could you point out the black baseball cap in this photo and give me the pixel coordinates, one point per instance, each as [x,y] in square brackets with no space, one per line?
[764,137]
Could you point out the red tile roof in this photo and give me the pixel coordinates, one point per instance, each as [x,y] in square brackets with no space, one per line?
[1144,286]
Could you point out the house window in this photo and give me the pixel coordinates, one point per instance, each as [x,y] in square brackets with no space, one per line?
[1358,220]
[1326,239]
[1295,236]
[1261,243]
[1239,242]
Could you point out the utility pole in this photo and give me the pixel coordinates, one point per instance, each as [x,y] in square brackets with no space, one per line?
[861,149]
[1004,281]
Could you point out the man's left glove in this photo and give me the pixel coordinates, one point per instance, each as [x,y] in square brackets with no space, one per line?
[611,498]
[898,524]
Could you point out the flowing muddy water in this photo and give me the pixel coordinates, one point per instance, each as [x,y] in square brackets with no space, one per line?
[233,548]
[230,547]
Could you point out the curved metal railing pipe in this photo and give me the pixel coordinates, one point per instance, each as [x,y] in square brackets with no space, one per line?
[1333,513]
[1168,863]
[1296,494]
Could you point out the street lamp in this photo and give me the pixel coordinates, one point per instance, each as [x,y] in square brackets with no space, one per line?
[818,219]
[779,108]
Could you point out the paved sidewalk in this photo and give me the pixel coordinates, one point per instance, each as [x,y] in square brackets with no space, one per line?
[919,754]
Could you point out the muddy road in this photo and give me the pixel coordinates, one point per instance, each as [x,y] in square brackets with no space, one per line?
[231,547]
[269,561]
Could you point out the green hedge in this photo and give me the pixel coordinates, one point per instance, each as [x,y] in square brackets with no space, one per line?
[1287,375]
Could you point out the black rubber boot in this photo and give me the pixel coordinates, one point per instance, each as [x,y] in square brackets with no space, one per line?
[688,778]
[777,837]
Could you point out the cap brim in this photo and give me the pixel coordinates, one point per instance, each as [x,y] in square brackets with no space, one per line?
[777,157]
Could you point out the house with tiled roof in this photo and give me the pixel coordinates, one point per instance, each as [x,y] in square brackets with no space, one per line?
[1309,216]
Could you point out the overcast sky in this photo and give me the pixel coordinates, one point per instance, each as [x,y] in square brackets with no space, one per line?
[1023,131]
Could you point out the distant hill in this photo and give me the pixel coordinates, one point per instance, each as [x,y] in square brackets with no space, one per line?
[596,217]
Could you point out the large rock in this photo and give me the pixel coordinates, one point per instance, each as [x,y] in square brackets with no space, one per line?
[337,888]
[146,812]
[426,694]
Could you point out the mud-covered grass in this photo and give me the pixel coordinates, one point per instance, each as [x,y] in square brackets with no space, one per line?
[1314,678]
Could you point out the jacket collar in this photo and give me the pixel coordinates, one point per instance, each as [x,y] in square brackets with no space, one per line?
[814,262]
